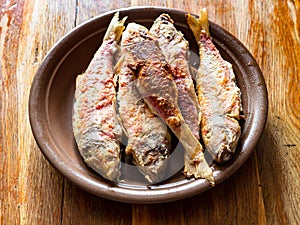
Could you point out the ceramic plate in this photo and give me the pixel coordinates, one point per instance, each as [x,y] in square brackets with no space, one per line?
[51,101]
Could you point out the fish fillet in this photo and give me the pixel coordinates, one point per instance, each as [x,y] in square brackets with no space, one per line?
[219,96]
[95,125]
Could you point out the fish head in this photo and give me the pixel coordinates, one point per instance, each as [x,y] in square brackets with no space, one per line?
[134,33]
[171,40]
[223,147]
[163,27]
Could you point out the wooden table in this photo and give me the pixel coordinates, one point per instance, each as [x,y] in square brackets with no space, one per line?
[265,190]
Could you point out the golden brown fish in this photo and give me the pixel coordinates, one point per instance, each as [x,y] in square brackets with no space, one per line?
[148,138]
[219,96]
[95,125]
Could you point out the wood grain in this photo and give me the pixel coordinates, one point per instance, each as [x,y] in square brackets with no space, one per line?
[9,143]
[280,154]
[35,175]
[265,190]
[80,207]
[232,202]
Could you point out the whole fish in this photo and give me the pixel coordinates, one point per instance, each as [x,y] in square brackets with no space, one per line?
[95,125]
[156,85]
[219,96]
[148,138]
[176,51]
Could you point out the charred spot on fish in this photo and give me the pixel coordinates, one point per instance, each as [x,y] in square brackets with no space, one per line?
[178,73]
[165,108]
[161,146]
[164,151]
[144,34]
[133,66]
[141,69]
[166,66]
[207,134]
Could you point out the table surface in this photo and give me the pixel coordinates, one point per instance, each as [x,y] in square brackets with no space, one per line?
[265,190]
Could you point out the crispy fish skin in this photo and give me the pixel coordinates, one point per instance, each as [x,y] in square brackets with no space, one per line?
[219,96]
[148,138]
[156,85]
[95,125]
[176,51]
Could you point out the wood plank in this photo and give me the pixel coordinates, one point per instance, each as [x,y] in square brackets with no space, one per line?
[158,214]
[80,207]
[9,165]
[33,186]
[91,8]
[43,25]
[279,148]
[235,201]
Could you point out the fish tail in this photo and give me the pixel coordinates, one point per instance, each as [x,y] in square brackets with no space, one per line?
[198,26]
[115,28]
[198,168]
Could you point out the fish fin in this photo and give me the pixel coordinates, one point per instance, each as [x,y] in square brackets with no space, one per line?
[121,124]
[128,149]
[199,168]
[78,80]
[118,65]
[199,117]
[195,163]
[193,72]
[115,28]
[198,26]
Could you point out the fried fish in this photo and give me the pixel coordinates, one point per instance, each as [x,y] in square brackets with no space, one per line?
[176,51]
[219,96]
[95,125]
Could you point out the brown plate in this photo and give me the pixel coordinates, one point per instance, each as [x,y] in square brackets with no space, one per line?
[51,101]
